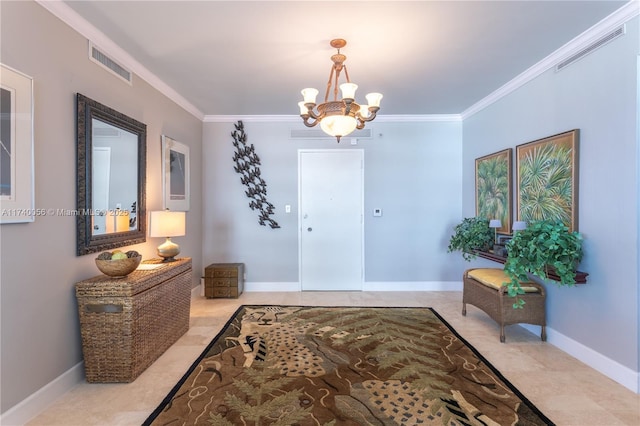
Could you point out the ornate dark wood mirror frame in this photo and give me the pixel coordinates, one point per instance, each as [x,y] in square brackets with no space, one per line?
[87,241]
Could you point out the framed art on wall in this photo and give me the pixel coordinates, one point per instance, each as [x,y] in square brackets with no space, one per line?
[175,172]
[547,184]
[493,188]
[16,147]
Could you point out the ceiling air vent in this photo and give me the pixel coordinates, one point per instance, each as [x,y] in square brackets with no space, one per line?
[102,59]
[618,32]
[320,134]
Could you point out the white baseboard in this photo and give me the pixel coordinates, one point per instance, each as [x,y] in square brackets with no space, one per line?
[36,403]
[367,286]
[272,286]
[198,290]
[412,286]
[610,368]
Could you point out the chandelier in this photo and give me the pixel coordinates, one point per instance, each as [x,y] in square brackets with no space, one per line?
[338,117]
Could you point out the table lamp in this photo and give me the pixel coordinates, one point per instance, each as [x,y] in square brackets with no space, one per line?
[495,224]
[166,223]
[519,225]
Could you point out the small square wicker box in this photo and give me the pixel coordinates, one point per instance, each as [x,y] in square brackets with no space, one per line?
[224,280]
[127,323]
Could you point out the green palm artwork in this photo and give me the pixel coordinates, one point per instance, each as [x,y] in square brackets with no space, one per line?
[493,187]
[546,180]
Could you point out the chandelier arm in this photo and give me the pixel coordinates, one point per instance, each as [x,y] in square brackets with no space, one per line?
[346,73]
[372,115]
[305,120]
[335,88]
[311,113]
[326,94]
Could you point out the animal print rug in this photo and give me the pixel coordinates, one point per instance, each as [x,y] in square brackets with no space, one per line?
[293,365]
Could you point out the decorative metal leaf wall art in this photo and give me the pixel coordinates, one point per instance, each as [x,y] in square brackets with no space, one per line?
[247,165]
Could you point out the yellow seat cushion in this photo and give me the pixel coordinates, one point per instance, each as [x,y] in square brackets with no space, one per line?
[496,278]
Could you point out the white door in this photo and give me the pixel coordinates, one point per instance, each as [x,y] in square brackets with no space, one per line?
[331,219]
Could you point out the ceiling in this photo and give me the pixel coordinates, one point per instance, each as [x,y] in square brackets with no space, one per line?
[253,58]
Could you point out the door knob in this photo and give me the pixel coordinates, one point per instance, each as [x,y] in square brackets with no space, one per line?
[309,229]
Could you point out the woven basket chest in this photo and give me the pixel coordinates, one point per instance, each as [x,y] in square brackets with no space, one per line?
[127,323]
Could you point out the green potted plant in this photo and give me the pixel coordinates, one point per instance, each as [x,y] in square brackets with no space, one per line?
[542,246]
[472,234]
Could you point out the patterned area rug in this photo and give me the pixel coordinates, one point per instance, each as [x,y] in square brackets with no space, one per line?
[293,365]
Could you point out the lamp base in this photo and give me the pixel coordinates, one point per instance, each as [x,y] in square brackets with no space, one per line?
[168,250]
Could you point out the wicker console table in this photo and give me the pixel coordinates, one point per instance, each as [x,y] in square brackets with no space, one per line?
[127,323]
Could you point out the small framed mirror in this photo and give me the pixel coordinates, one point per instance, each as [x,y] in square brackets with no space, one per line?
[111,178]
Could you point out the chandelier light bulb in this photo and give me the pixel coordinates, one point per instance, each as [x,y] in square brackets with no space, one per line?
[348,90]
[374,99]
[309,94]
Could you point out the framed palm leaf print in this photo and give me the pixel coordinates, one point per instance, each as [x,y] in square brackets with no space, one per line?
[494,188]
[547,184]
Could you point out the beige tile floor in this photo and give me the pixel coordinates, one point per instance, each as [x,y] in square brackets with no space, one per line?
[563,388]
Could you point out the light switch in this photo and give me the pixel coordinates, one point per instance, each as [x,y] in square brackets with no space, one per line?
[287,208]
[377,212]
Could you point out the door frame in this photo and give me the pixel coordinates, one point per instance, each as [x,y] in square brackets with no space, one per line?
[302,151]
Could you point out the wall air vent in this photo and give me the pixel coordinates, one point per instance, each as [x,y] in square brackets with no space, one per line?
[102,59]
[319,134]
[618,32]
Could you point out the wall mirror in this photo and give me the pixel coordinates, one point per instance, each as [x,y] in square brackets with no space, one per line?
[112,161]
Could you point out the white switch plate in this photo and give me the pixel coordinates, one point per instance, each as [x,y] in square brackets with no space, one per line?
[287,208]
[377,212]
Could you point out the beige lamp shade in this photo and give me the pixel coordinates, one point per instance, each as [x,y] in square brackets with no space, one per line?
[167,224]
[495,223]
[519,225]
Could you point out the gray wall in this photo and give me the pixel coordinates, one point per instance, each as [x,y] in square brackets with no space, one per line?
[412,171]
[40,331]
[598,96]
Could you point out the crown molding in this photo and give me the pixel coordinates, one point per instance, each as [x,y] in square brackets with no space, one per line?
[82,26]
[390,118]
[250,118]
[611,22]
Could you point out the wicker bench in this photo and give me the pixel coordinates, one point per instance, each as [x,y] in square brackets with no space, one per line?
[483,288]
